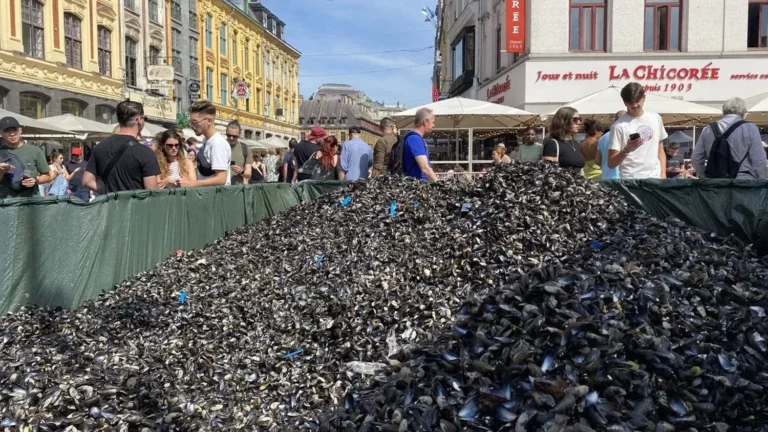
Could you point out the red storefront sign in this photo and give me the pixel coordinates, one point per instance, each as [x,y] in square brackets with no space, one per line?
[515,26]
[495,94]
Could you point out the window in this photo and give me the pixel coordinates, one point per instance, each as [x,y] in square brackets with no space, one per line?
[209,84]
[154,56]
[69,106]
[130,62]
[176,10]
[177,91]
[208,32]
[223,88]
[257,101]
[176,48]
[266,66]
[587,25]
[246,47]
[194,69]
[458,58]
[662,25]
[153,10]
[223,39]
[303,136]
[264,19]
[72,41]
[129,4]
[3,95]
[193,21]
[757,24]
[343,137]
[285,74]
[105,51]
[268,104]
[32,27]
[31,106]
[234,49]
[105,114]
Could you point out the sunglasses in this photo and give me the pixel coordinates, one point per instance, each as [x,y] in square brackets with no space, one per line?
[233,136]
[173,145]
[576,120]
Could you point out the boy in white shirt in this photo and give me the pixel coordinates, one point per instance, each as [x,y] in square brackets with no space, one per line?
[215,150]
[636,145]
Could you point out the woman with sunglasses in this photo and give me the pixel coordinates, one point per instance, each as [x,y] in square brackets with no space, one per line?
[173,165]
[561,146]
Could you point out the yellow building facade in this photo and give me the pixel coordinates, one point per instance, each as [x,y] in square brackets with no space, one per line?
[60,56]
[235,47]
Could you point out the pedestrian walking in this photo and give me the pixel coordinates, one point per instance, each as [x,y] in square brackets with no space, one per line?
[730,147]
[59,174]
[636,145]
[383,146]
[35,167]
[356,157]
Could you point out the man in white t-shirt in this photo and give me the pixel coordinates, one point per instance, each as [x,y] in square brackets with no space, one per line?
[636,145]
[216,149]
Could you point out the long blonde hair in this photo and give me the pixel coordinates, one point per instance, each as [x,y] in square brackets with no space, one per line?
[162,159]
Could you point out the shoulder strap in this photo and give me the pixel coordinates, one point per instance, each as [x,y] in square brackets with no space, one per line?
[715,130]
[733,128]
[111,165]
[245,151]
[557,146]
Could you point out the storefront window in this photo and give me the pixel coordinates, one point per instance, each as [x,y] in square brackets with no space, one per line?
[69,106]
[587,25]
[662,25]
[31,106]
[757,24]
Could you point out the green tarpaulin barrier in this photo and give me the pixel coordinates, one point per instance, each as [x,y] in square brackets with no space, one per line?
[725,207]
[62,252]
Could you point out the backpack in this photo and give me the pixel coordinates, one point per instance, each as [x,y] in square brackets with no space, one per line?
[395,162]
[720,163]
[13,177]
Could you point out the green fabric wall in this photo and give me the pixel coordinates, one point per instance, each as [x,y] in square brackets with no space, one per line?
[57,252]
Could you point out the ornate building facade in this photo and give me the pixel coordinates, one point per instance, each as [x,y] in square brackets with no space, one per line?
[60,56]
[247,44]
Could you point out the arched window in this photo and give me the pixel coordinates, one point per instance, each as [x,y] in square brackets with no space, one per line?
[73,43]
[32,27]
[32,105]
[105,114]
[72,106]
[663,21]
[130,62]
[105,51]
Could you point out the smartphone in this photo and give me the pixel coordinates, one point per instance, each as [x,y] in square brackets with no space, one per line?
[634,136]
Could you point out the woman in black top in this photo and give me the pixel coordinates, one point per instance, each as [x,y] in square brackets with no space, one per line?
[561,145]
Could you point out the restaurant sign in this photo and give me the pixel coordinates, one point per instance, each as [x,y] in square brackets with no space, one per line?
[154,106]
[692,80]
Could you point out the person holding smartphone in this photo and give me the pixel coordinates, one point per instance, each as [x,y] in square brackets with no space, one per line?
[36,170]
[636,143]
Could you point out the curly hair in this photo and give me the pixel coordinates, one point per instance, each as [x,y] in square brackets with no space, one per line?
[162,158]
[328,150]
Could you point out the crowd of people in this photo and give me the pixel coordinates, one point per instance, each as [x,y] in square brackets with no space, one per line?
[633,148]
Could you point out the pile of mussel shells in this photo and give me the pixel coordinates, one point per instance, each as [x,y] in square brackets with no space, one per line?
[530,300]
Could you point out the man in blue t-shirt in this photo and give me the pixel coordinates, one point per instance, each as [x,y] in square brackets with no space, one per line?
[415,154]
[602,154]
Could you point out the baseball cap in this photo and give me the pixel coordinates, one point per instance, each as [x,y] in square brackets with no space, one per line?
[316,132]
[9,123]
[77,151]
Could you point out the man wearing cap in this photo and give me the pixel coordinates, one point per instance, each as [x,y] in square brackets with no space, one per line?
[76,166]
[307,148]
[35,166]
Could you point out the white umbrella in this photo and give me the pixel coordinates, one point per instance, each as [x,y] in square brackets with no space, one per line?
[461,113]
[253,144]
[32,126]
[680,137]
[79,125]
[604,104]
[149,130]
[273,142]
[757,107]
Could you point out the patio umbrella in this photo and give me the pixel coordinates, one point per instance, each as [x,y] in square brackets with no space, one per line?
[149,130]
[273,142]
[604,104]
[79,125]
[680,137]
[757,108]
[461,113]
[31,126]
[254,144]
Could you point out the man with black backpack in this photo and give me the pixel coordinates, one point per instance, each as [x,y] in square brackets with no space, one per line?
[731,147]
[241,155]
[384,146]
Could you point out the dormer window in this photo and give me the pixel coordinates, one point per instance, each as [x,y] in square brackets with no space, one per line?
[331,120]
[343,120]
[323,120]
[274,27]
[264,19]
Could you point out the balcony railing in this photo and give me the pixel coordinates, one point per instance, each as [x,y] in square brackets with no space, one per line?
[193,21]
[177,66]
[194,71]
[176,11]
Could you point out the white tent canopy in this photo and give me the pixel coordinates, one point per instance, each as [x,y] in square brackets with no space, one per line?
[149,131]
[461,113]
[680,137]
[253,144]
[79,125]
[273,142]
[32,126]
[604,104]
[757,107]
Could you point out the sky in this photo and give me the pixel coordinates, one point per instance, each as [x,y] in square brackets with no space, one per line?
[321,29]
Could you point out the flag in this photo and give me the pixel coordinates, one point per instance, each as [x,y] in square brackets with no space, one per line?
[429,15]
